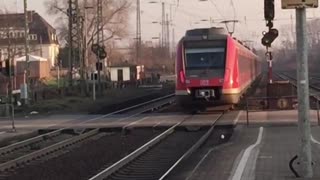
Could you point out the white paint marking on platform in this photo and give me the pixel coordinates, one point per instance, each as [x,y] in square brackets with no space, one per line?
[303,81]
[156,125]
[123,119]
[199,163]
[204,158]
[238,117]
[135,122]
[314,140]
[2,132]
[244,159]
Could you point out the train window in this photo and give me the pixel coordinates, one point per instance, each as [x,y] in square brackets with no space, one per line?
[211,58]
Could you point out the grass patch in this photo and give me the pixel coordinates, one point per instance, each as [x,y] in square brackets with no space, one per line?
[84,105]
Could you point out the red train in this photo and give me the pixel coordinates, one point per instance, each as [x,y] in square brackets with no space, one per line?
[212,68]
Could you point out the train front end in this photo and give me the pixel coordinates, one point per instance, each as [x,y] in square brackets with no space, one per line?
[201,68]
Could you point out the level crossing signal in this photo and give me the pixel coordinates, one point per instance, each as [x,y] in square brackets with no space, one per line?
[99,51]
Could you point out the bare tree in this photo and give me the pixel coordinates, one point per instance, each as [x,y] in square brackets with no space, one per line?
[285,54]
[115,18]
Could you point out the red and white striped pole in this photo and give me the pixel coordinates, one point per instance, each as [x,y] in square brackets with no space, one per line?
[269,59]
[270,71]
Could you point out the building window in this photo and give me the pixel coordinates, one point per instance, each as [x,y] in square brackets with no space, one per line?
[4,35]
[33,37]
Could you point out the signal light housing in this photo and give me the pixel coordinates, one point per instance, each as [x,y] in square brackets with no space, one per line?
[269,37]
[269,9]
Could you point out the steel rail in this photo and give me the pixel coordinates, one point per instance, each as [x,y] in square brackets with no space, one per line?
[293,81]
[22,144]
[117,166]
[45,151]
[124,161]
[193,148]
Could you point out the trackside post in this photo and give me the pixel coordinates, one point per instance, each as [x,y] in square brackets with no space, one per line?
[247,109]
[303,82]
[303,93]
[318,115]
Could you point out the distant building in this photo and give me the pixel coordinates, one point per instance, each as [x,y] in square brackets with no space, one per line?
[124,72]
[43,47]
[42,36]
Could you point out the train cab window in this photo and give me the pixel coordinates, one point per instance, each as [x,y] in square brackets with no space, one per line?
[212,58]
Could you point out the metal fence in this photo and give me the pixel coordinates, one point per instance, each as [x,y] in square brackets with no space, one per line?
[256,104]
[7,112]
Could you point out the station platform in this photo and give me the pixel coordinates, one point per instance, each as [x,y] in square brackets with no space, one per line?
[260,151]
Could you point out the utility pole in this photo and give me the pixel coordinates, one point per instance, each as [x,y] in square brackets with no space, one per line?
[163,25]
[85,47]
[138,33]
[76,41]
[10,64]
[70,43]
[303,83]
[85,42]
[27,87]
[79,42]
[172,35]
[167,35]
[303,93]
[82,49]
[292,30]
[173,42]
[99,42]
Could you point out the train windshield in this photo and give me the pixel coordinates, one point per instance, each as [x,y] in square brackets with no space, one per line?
[205,58]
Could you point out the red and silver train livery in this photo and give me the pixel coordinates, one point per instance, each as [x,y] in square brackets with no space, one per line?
[212,68]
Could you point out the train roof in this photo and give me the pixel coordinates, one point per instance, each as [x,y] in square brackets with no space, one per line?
[213,33]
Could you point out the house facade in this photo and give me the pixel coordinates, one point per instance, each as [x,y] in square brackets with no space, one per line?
[43,39]
[43,42]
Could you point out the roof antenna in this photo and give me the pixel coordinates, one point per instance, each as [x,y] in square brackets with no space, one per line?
[230,30]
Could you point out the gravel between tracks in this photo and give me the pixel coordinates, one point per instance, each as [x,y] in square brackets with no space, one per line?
[155,162]
[87,159]
[45,142]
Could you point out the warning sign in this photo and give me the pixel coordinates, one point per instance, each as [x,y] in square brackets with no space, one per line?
[282,103]
[293,4]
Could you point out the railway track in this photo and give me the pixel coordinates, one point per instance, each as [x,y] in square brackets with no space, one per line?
[314,90]
[24,152]
[157,158]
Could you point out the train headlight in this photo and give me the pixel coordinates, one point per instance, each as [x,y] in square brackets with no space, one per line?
[231,81]
[204,37]
[189,91]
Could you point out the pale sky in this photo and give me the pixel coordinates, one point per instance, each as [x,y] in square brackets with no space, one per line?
[188,13]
